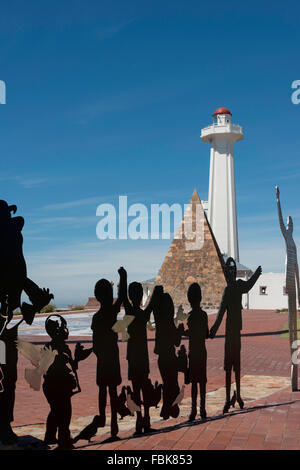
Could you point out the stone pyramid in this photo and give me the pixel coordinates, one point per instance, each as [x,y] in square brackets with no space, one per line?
[193,256]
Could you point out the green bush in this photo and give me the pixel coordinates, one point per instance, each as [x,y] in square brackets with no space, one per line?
[49,308]
[77,307]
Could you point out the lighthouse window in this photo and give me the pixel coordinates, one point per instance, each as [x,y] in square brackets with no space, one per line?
[263,290]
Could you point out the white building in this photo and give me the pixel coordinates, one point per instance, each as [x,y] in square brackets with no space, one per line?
[269,292]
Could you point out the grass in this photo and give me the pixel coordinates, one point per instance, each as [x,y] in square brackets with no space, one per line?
[286,327]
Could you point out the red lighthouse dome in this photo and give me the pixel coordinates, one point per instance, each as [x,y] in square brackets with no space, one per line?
[222,111]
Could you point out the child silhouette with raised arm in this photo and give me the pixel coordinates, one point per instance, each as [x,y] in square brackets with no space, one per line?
[232,303]
[137,352]
[197,332]
[166,338]
[105,346]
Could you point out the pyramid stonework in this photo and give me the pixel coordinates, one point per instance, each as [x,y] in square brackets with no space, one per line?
[196,259]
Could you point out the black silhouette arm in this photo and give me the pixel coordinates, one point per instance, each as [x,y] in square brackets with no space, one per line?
[155,294]
[220,315]
[154,302]
[207,331]
[281,223]
[247,285]
[127,305]
[122,291]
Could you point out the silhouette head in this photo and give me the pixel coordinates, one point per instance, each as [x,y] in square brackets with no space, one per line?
[230,269]
[194,294]
[135,292]
[104,292]
[290,225]
[56,327]
[5,210]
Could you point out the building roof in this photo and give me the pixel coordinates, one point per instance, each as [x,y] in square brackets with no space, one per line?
[222,111]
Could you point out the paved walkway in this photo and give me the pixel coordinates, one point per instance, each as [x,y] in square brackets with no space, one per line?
[270,420]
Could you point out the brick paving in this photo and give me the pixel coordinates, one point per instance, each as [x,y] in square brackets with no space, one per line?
[271,422]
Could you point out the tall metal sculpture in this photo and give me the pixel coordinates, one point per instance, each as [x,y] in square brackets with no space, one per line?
[292,281]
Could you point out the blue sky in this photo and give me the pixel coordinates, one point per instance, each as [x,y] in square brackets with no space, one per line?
[106,98]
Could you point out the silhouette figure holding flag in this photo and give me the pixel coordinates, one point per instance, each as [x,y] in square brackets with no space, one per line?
[232,303]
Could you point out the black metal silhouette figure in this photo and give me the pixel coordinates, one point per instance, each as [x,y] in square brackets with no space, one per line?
[183,363]
[166,338]
[137,353]
[232,303]
[13,280]
[13,272]
[61,381]
[197,332]
[105,346]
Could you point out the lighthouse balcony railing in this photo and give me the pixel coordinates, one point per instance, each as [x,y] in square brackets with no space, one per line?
[220,127]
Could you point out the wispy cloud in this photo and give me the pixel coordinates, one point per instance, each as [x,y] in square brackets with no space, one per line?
[159,196]
[75,203]
[25,181]
[113,30]
[31,182]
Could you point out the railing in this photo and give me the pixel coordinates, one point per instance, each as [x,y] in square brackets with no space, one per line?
[228,127]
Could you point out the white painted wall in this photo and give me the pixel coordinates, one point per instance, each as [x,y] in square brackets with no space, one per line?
[274,298]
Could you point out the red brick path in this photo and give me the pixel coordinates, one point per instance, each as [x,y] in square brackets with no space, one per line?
[264,352]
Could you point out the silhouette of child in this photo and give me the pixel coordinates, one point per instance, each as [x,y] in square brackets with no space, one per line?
[105,346]
[197,332]
[232,303]
[137,352]
[166,338]
[60,381]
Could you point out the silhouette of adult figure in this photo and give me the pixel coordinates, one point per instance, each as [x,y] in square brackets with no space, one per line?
[166,338]
[197,331]
[13,271]
[137,352]
[232,303]
[105,346]
[13,280]
[291,282]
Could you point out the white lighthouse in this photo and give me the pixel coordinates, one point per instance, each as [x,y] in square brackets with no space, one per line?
[222,135]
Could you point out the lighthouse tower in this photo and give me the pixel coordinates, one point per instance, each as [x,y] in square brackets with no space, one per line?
[222,135]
